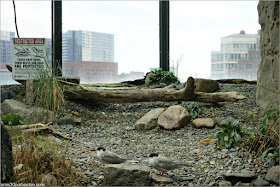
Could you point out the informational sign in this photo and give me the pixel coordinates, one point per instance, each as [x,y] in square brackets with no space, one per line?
[29,57]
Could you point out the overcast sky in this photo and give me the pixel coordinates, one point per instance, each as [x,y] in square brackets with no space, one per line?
[196,28]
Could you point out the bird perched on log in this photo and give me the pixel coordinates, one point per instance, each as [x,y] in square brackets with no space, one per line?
[162,163]
[140,82]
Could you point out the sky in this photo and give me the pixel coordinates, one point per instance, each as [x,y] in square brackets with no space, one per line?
[196,28]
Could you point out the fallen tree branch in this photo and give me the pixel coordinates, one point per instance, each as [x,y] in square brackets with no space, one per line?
[170,93]
[38,128]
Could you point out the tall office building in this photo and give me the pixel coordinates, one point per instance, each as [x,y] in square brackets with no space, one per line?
[239,57]
[6,46]
[87,46]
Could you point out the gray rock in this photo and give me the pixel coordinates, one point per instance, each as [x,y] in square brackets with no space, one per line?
[5,94]
[6,156]
[260,182]
[243,184]
[242,177]
[149,120]
[268,72]
[30,114]
[161,179]
[206,85]
[204,122]
[175,117]
[224,183]
[224,120]
[49,180]
[66,121]
[126,175]
[273,174]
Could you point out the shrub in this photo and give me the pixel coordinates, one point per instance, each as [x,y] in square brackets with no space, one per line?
[229,134]
[162,76]
[12,119]
[195,110]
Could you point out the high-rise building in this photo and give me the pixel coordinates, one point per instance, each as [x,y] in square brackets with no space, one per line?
[87,46]
[239,57]
[6,41]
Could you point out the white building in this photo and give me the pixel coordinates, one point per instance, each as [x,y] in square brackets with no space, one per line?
[235,48]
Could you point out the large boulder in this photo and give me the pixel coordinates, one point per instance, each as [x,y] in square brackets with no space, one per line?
[206,85]
[149,120]
[175,117]
[6,156]
[30,115]
[126,175]
[268,73]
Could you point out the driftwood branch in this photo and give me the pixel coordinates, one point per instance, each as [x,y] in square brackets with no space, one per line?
[170,93]
[38,128]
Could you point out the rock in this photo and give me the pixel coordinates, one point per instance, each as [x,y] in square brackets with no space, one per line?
[224,183]
[206,85]
[78,121]
[175,117]
[260,182]
[6,156]
[161,179]
[66,121]
[5,94]
[30,115]
[273,174]
[126,175]
[268,72]
[149,120]
[243,184]
[195,151]
[49,180]
[242,177]
[224,120]
[204,122]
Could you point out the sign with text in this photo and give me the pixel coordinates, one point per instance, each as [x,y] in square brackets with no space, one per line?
[29,57]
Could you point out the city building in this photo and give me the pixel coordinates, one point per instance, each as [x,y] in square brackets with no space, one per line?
[6,41]
[87,46]
[91,72]
[239,57]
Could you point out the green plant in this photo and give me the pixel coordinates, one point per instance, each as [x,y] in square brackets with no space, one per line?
[274,156]
[195,110]
[12,119]
[162,76]
[251,138]
[48,91]
[271,116]
[229,134]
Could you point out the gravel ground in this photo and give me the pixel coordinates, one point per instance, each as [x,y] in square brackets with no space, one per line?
[112,126]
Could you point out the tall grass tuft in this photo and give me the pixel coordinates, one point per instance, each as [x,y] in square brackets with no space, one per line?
[39,156]
[48,91]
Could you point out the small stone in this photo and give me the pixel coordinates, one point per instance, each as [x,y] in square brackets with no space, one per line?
[224,183]
[207,180]
[66,121]
[161,179]
[196,151]
[212,162]
[224,150]
[260,182]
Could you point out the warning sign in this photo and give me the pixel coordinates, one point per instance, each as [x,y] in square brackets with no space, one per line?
[29,57]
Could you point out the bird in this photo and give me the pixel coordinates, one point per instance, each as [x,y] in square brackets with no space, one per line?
[109,157]
[162,163]
[140,82]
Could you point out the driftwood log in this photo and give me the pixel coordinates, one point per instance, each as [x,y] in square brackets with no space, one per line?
[38,128]
[169,93]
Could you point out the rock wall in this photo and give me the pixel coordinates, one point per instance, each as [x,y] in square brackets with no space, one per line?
[268,73]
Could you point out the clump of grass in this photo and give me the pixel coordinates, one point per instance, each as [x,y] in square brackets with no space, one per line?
[40,156]
[267,138]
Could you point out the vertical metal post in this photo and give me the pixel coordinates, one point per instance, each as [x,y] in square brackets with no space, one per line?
[164,34]
[57,37]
